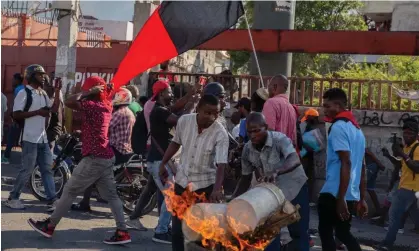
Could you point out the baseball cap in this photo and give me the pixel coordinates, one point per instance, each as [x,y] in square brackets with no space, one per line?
[310,112]
[158,87]
[245,102]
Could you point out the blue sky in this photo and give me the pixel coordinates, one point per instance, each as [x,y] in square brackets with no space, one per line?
[109,10]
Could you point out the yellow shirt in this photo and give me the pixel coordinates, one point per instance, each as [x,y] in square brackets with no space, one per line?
[407,180]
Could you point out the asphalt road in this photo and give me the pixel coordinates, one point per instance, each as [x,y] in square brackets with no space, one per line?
[85,231]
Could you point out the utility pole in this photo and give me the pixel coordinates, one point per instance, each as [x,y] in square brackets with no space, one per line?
[275,15]
[142,11]
[65,63]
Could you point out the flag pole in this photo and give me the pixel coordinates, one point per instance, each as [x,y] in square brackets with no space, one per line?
[254,49]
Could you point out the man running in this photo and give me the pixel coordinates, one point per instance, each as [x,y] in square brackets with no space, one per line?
[120,130]
[96,165]
[203,159]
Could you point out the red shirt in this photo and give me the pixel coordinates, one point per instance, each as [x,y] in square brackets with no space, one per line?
[96,117]
[281,116]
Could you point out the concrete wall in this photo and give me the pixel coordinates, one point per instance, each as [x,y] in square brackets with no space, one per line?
[405,17]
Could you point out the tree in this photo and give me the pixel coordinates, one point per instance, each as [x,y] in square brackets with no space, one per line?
[313,15]
[387,68]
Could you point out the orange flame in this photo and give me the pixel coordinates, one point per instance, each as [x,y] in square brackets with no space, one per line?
[208,227]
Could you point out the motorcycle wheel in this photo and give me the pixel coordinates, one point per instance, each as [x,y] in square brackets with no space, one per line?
[37,186]
[130,195]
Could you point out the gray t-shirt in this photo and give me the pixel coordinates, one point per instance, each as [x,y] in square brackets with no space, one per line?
[272,157]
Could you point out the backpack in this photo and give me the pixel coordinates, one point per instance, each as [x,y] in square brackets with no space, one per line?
[139,134]
[29,100]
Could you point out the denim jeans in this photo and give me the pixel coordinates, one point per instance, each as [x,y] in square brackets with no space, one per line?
[32,154]
[298,230]
[12,139]
[403,201]
[165,216]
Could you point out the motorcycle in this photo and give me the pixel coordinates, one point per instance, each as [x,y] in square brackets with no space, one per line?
[130,177]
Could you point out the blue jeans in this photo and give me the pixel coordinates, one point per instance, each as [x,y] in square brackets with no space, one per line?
[403,201]
[32,154]
[12,139]
[298,230]
[165,216]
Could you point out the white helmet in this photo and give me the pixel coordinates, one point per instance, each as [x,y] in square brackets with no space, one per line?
[122,97]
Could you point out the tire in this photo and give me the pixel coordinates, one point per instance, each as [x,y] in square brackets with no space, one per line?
[130,195]
[37,187]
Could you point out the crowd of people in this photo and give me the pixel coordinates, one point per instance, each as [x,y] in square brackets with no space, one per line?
[187,142]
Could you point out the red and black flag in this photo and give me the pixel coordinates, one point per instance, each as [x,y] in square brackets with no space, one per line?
[176,27]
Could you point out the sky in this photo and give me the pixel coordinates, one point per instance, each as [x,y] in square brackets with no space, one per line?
[122,10]
[108,10]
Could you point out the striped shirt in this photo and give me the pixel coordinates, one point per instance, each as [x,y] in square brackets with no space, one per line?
[200,152]
[281,116]
[271,159]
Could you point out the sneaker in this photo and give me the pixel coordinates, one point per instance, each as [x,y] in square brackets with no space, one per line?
[312,204]
[14,204]
[120,237]
[51,206]
[43,227]
[136,224]
[400,231]
[165,238]
[5,160]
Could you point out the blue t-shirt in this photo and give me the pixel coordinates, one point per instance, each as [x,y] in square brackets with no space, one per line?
[18,88]
[344,136]
[243,131]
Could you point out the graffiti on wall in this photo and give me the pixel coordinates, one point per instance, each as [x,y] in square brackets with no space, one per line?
[383,118]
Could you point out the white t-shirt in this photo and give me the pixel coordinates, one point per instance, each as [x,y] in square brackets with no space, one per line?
[34,130]
[235,131]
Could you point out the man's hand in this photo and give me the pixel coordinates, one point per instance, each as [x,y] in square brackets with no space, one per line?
[58,84]
[217,196]
[362,208]
[397,150]
[97,89]
[163,173]
[342,209]
[43,112]
[385,151]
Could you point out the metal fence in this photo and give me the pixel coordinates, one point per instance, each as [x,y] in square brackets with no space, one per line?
[362,94]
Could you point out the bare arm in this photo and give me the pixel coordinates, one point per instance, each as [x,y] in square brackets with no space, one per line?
[24,115]
[412,164]
[292,160]
[345,173]
[56,103]
[375,159]
[219,176]
[170,152]
[73,102]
